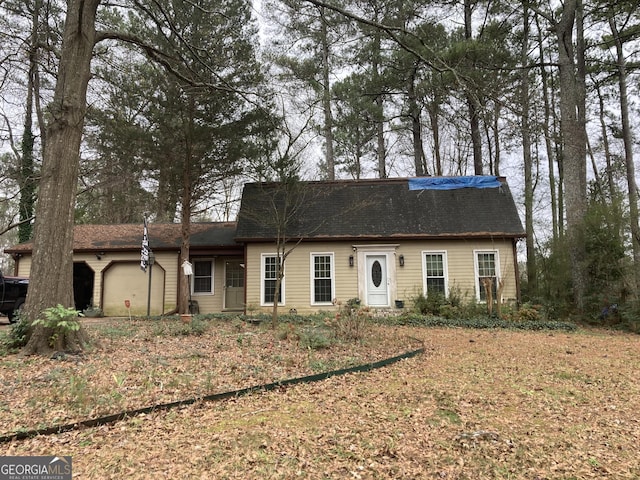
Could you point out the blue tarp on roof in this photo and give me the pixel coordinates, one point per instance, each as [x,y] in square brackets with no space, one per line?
[452,183]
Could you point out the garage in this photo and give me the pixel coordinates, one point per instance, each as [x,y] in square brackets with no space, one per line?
[124,281]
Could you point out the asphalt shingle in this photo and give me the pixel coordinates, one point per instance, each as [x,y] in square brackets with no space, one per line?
[377,209]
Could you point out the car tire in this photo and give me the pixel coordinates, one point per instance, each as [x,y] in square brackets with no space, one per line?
[16,310]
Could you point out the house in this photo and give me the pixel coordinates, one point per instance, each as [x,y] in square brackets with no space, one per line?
[381,241]
[107,271]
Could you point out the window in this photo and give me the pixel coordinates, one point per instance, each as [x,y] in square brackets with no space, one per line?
[269,277]
[322,276]
[435,278]
[203,276]
[486,271]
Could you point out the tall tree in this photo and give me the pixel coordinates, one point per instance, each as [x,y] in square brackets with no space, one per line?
[525,128]
[573,143]
[473,102]
[619,36]
[355,128]
[214,114]
[305,51]
[51,273]
[52,262]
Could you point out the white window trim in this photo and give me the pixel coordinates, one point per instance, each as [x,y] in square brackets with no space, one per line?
[212,261]
[262,279]
[312,255]
[476,270]
[445,269]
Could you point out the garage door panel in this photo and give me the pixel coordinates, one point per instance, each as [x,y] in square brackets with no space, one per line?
[126,281]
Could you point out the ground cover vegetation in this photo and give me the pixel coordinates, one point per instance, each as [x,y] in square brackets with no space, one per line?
[499,403]
[188,101]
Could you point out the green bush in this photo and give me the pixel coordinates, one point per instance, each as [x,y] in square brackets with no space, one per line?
[485,322]
[430,304]
[450,306]
[314,338]
[629,314]
[199,326]
[17,336]
[59,320]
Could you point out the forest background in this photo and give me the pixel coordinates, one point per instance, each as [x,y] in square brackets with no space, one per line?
[116,111]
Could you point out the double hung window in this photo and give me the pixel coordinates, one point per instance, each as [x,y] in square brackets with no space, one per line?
[486,274]
[270,268]
[322,278]
[435,273]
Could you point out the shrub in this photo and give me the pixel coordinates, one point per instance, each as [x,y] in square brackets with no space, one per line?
[630,316]
[287,331]
[314,338]
[199,326]
[429,305]
[477,323]
[436,303]
[528,313]
[60,320]
[17,336]
[351,322]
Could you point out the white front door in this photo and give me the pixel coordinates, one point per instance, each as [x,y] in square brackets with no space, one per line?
[377,281]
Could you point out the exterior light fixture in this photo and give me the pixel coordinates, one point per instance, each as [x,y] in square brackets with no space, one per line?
[401,259]
[351,260]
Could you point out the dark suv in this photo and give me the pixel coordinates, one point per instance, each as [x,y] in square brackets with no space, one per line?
[13,292]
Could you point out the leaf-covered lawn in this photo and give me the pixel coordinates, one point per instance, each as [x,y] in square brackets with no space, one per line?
[477,405]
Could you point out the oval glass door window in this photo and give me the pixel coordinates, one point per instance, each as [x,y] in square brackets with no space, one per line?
[376,273]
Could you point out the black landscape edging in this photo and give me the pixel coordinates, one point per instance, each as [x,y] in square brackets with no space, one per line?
[95,422]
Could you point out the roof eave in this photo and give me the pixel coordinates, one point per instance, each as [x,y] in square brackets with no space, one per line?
[396,236]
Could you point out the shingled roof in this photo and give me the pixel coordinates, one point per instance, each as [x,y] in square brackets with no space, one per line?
[380,209]
[162,236]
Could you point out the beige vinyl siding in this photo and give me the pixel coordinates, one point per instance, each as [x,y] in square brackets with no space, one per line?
[111,297]
[24,266]
[212,302]
[298,293]
[409,279]
[460,255]
[133,285]
[166,264]
[126,281]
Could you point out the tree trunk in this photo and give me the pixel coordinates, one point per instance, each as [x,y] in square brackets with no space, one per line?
[416,126]
[27,181]
[281,245]
[611,188]
[627,138]
[472,101]
[434,117]
[185,211]
[574,151]
[496,138]
[532,270]
[550,137]
[378,108]
[52,262]
[326,100]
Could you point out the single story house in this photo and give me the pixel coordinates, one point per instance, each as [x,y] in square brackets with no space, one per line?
[382,241]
